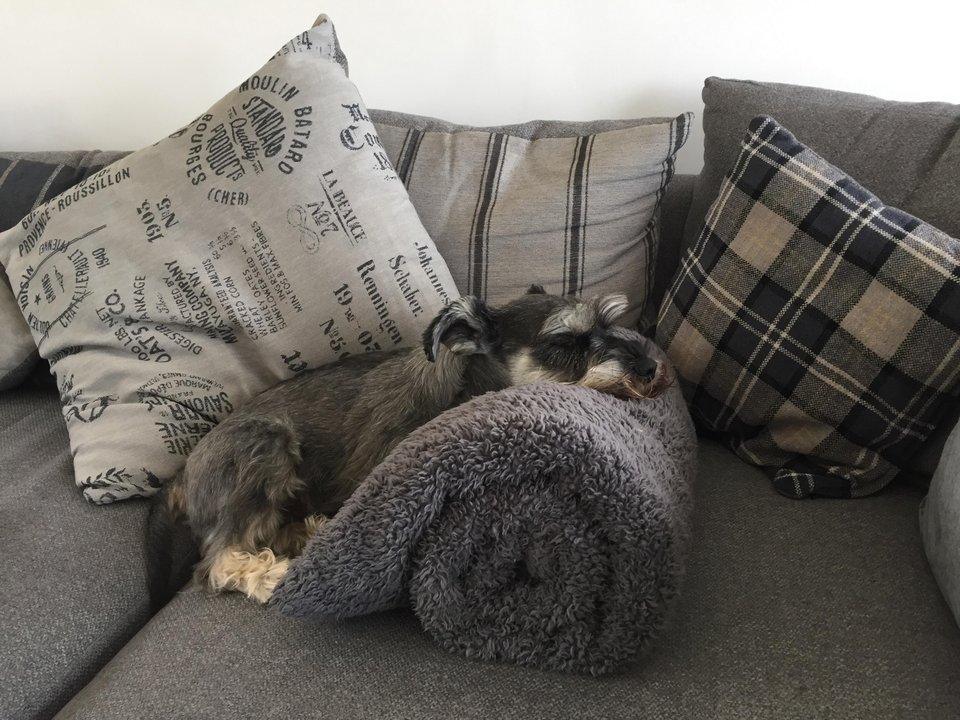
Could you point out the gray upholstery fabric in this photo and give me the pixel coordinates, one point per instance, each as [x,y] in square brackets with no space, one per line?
[15,376]
[819,609]
[673,216]
[73,590]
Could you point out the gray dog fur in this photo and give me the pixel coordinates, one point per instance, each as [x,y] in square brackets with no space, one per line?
[544,525]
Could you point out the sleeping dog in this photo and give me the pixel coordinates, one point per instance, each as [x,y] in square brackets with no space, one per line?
[260,483]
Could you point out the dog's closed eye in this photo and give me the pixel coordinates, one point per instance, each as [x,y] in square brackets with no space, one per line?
[563,352]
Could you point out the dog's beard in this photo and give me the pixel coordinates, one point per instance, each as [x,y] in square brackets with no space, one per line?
[610,377]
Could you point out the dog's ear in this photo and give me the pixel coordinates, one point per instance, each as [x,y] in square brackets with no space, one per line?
[611,308]
[536,290]
[465,326]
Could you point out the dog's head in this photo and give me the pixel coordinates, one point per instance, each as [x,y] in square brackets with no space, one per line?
[542,337]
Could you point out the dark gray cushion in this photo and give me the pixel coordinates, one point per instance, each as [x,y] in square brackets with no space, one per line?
[73,590]
[790,610]
[908,154]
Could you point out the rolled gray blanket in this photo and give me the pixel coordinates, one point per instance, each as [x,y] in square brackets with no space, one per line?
[544,525]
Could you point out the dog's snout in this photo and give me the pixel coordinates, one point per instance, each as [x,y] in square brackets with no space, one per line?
[644,367]
[635,359]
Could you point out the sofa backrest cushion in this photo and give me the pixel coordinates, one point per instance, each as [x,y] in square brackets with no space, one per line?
[907,153]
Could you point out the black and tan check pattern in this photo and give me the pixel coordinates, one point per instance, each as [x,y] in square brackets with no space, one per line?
[814,328]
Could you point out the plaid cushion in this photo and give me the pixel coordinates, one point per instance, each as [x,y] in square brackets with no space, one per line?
[572,206]
[814,328]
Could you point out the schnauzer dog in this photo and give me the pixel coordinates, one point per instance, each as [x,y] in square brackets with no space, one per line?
[259,484]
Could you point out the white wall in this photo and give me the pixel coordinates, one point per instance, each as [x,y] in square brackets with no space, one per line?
[111,74]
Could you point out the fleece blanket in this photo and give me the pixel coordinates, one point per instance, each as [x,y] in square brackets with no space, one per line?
[544,525]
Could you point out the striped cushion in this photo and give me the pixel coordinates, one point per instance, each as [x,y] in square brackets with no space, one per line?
[571,206]
[814,328]
[27,180]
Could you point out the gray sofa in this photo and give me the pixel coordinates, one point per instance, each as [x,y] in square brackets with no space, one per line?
[789,609]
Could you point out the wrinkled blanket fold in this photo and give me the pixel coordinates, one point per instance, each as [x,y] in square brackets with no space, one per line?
[544,525]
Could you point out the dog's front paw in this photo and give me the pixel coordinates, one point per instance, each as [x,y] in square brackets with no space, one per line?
[255,575]
[269,581]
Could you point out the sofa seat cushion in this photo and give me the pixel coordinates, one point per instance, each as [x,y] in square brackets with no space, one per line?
[74,589]
[767,625]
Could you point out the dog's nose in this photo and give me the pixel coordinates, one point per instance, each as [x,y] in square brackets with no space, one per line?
[644,367]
